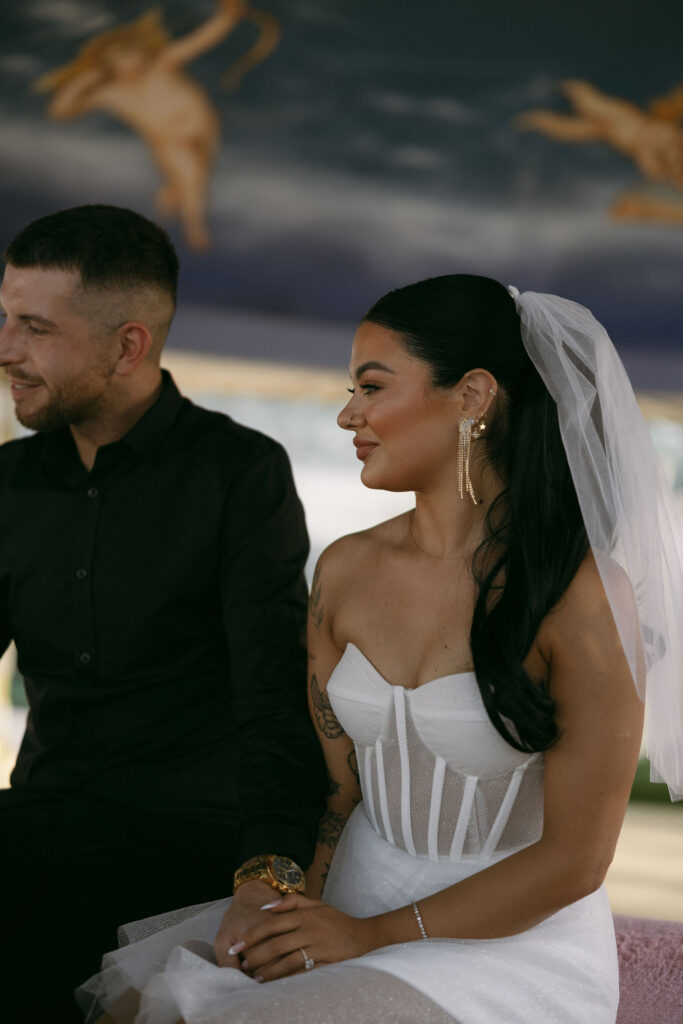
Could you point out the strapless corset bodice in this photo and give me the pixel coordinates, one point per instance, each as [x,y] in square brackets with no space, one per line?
[437,779]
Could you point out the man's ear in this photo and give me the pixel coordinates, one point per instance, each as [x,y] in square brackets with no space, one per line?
[135,341]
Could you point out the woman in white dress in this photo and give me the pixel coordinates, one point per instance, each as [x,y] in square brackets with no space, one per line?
[472,670]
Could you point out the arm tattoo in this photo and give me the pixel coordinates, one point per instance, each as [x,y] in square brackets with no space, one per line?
[323,877]
[315,603]
[352,762]
[333,788]
[325,716]
[330,828]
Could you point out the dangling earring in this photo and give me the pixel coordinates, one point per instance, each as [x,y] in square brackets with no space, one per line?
[464,444]
[468,431]
[479,428]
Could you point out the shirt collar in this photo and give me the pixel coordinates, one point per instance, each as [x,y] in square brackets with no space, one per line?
[144,439]
[146,436]
[59,457]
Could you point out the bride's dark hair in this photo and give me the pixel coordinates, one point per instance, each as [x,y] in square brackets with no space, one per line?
[535,536]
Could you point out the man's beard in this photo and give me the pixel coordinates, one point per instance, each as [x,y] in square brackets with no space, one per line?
[69,406]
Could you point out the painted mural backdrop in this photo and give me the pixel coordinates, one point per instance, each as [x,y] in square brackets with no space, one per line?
[307,155]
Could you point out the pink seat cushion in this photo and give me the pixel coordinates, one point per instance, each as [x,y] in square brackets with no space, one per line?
[650,970]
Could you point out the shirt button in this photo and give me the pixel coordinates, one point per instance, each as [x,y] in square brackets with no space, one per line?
[92,492]
[84,658]
[81,574]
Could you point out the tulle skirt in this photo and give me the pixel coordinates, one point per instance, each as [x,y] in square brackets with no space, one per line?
[562,971]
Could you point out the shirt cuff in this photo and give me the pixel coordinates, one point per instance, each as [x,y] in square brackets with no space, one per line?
[275,834]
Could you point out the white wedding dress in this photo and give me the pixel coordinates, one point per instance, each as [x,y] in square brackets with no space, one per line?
[443,797]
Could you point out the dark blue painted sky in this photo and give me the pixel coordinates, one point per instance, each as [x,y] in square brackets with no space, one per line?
[377,146]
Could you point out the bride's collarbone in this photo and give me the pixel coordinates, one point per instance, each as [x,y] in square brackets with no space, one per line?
[413,629]
[437,612]
[406,585]
[411,626]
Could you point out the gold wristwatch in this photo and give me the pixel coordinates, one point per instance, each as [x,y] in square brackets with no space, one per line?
[282,873]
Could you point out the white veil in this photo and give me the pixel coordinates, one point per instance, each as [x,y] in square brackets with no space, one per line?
[628,508]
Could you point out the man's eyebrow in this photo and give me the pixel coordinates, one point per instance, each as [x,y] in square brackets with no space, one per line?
[37,319]
[372,364]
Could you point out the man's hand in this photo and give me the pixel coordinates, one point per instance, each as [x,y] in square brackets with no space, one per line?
[243,914]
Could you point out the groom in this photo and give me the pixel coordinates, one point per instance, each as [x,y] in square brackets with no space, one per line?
[151,577]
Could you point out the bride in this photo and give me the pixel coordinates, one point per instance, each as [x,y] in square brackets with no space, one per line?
[475,672]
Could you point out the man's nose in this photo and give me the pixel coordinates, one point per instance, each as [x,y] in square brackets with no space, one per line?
[9,347]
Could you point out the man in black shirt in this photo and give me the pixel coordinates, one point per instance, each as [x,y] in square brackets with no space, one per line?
[151,558]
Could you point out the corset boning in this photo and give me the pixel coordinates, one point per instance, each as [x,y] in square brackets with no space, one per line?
[437,779]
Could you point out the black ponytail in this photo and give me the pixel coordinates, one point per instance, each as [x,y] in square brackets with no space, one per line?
[535,538]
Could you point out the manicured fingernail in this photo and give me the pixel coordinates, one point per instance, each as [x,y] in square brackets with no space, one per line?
[269,906]
[260,978]
[237,948]
[244,965]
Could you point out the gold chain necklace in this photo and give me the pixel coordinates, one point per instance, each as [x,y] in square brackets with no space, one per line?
[441,558]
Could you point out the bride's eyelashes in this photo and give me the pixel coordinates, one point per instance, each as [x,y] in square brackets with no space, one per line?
[367,389]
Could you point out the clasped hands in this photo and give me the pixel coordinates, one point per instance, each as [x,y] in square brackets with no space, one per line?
[272,948]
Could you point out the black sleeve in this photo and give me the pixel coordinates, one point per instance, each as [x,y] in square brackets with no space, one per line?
[5,627]
[281,773]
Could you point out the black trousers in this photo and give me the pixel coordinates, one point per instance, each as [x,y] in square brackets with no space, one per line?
[71,870]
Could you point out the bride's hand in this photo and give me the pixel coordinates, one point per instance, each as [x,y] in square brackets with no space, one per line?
[274,948]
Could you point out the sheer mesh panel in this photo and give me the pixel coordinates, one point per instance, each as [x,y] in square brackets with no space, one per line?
[371,793]
[451,803]
[488,798]
[525,823]
[524,819]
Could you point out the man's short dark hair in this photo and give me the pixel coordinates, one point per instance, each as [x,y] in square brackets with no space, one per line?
[110,247]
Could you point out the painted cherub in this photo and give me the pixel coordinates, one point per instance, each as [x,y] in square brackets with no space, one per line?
[136,72]
[652,138]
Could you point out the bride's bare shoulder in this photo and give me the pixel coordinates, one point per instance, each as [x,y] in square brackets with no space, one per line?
[582,623]
[342,560]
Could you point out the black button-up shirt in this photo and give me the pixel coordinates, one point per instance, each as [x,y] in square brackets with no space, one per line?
[157,604]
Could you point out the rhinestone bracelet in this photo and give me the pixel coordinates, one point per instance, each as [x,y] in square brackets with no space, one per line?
[420,922]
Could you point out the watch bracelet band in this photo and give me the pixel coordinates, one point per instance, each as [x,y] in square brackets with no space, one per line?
[259,868]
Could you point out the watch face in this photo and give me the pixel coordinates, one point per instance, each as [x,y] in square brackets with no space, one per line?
[287,872]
